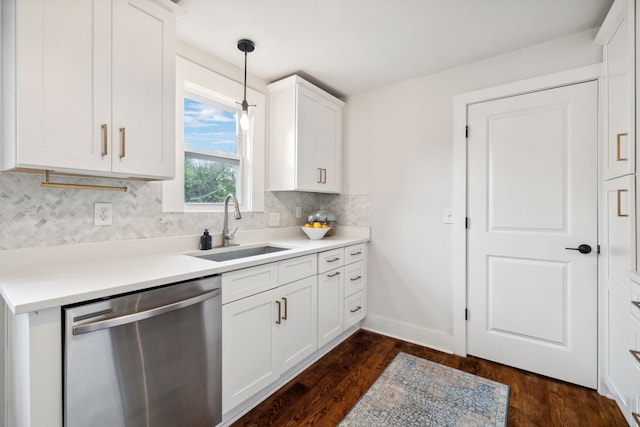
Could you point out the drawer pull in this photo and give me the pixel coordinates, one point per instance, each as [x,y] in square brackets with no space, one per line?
[279,321]
[353,279]
[337,273]
[636,417]
[353,310]
[356,253]
[635,354]
[619,158]
[104,140]
[123,143]
[636,303]
[620,214]
[334,259]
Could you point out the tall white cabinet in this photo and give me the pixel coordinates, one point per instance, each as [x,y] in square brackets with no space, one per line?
[89,87]
[305,137]
[620,336]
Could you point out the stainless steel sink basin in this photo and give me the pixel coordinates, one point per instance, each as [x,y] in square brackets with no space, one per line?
[241,253]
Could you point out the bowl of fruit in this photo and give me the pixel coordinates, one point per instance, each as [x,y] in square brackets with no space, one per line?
[315,230]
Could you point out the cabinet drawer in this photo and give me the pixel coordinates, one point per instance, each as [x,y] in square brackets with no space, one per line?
[355,253]
[248,281]
[330,259]
[294,269]
[355,278]
[355,308]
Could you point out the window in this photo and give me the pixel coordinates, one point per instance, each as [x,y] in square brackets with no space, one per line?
[213,151]
[213,158]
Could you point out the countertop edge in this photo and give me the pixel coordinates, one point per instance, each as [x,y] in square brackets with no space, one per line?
[30,286]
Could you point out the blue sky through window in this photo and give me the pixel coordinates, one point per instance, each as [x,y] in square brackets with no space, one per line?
[209,128]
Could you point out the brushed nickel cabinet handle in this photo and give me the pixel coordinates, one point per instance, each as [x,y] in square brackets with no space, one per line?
[354,310]
[319,175]
[636,417]
[620,214]
[353,279]
[122,143]
[334,259]
[618,157]
[105,136]
[285,308]
[636,303]
[279,321]
[337,273]
[635,354]
[324,176]
[356,253]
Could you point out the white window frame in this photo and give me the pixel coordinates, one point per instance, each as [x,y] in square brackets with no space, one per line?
[192,78]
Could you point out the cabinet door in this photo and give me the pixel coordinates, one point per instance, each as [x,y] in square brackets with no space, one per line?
[329,147]
[330,305]
[618,237]
[307,169]
[63,84]
[143,130]
[249,347]
[619,156]
[298,326]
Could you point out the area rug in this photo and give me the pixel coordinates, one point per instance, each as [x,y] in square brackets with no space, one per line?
[416,392]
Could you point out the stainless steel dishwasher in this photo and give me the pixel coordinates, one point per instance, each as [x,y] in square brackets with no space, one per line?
[150,358]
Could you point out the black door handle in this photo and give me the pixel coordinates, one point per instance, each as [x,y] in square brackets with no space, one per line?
[583,249]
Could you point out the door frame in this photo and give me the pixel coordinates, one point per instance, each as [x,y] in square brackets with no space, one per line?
[459,185]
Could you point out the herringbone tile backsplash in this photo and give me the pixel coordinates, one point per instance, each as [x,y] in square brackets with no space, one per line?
[31,215]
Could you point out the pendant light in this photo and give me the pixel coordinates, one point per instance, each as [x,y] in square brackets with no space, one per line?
[245,46]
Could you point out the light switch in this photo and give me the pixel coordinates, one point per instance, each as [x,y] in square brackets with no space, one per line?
[448,216]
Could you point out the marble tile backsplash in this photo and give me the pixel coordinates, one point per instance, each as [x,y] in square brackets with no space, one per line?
[31,215]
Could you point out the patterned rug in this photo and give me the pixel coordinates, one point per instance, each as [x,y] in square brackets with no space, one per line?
[416,392]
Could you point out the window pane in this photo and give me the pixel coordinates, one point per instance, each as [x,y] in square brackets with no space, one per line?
[209,128]
[208,179]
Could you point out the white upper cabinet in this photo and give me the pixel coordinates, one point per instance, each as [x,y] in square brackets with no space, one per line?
[617,37]
[305,138]
[89,87]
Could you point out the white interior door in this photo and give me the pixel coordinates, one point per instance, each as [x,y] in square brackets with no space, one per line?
[532,193]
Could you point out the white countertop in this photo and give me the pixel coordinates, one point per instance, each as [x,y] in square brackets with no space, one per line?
[38,278]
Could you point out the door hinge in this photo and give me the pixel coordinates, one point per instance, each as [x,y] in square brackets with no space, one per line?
[466,222]
[466,131]
[466,314]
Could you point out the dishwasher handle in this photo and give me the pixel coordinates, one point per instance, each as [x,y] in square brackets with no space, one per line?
[146,314]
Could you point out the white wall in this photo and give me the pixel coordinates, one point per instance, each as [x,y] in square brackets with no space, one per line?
[398,146]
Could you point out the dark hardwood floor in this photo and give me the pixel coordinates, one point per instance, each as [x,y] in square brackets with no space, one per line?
[326,391]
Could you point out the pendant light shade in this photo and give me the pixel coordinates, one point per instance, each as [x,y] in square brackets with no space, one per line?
[245,46]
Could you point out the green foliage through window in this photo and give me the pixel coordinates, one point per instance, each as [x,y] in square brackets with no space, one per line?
[208,181]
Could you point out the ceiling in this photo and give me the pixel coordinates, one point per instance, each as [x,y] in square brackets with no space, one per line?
[350,46]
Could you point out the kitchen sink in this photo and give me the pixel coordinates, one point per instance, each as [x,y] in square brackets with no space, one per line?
[241,253]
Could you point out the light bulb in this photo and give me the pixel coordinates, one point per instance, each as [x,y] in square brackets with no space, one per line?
[244,121]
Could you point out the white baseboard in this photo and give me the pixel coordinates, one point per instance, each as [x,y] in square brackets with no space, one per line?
[409,332]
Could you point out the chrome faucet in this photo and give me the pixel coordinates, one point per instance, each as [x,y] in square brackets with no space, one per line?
[226,236]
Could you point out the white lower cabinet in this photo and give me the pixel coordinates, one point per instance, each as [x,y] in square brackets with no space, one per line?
[249,347]
[298,323]
[276,316]
[330,303]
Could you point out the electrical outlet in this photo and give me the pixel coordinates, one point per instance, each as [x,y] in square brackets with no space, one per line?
[274,219]
[298,212]
[103,214]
